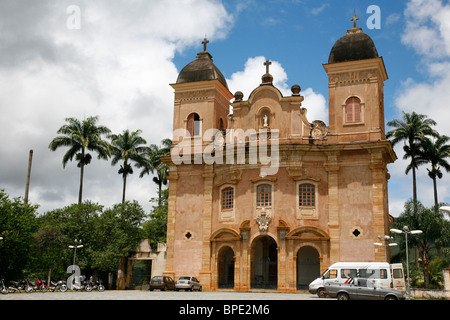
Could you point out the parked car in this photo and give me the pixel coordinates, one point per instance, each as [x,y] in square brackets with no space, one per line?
[162,282]
[361,289]
[188,283]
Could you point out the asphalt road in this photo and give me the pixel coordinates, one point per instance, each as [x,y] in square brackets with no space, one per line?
[158,295]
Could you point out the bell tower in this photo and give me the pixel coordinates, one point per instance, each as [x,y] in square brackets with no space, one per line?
[202,98]
[356,76]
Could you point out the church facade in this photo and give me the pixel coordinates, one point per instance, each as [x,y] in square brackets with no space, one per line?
[262,198]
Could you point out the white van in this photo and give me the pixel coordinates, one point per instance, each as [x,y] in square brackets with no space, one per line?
[380,274]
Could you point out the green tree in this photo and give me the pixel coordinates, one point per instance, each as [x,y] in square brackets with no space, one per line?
[81,137]
[155,228]
[17,225]
[154,163]
[119,231]
[127,147]
[436,153]
[435,230]
[411,129]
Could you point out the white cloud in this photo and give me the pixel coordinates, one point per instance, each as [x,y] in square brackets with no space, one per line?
[428,27]
[250,78]
[428,33]
[118,66]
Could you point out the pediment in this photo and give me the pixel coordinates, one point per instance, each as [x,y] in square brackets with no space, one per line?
[307,233]
[225,234]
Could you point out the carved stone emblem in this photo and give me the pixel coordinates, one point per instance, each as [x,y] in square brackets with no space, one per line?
[263,220]
[318,130]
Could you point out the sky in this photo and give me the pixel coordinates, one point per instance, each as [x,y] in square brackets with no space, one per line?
[117,59]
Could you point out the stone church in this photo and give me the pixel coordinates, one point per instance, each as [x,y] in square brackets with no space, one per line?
[263,198]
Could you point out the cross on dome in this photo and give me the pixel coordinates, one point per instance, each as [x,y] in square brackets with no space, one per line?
[267,64]
[205,41]
[354,18]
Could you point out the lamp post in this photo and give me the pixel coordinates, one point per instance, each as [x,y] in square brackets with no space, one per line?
[445,208]
[406,231]
[386,244]
[75,246]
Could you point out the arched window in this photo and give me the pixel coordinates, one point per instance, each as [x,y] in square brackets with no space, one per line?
[353,110]
[193,124]
[306,195]
[227,198]
[264,195]
[220,124]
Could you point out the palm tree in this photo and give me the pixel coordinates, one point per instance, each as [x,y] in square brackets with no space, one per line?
[436,153]
[127,146]
[80,137]
[412,129]
[153,162]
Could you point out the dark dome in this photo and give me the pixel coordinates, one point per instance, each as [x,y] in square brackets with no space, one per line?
[201,69]
[355,45]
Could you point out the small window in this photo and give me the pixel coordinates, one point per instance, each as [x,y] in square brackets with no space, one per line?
[306,195]
[397,273]
[193,124]
[348,273]
[227,198]
[373,273]
[264,195]
[353,110]
[331,274]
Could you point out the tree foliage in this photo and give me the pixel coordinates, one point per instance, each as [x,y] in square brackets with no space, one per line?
[17,226]
[436,233]
[155,228]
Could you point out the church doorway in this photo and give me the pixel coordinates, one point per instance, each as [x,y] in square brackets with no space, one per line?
[226,268]
[264,264]
[308,267]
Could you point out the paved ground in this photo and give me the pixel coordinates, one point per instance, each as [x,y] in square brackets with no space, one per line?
[158,295]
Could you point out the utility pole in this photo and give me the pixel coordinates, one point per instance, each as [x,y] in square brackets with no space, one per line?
[27,186]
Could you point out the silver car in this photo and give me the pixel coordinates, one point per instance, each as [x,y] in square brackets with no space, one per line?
[188,283]
[361,289]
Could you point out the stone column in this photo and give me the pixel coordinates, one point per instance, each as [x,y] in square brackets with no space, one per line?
[205,273]
[171,216]
[332,167]
[379,216]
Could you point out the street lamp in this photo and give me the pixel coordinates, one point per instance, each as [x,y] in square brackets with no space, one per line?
[445,208]
[75,246]
[386,239]
[406,231]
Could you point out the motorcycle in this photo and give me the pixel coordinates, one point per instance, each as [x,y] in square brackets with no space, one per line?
[38,285]
[97,285]
[3,287]
[81,285]
[19,285]
[60,285]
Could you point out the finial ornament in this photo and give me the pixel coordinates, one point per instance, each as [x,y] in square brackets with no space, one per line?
[205,41]
[354,18]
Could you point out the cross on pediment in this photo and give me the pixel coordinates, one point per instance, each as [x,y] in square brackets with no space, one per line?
[267,64]
[205,41]
[354,19]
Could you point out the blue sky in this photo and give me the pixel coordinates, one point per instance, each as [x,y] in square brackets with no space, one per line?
[119,60]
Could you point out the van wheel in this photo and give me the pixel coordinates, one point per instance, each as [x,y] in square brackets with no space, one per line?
[342,296]
[320,293]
